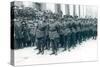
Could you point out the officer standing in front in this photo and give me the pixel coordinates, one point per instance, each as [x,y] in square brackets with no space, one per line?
[54,36]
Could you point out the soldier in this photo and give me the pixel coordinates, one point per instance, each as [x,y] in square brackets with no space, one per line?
[95,28]
[28,35]
[77,27]
[66,31]
[78,32]
[54,36]
[87,30]
[83,33]
[40,33]
[61,32]
[72,34]
[32,33]
[25,33]
[47,39]
[18,35]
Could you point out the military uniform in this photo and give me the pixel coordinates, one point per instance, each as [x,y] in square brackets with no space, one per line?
[18,35]
[54,36]
[72,27]
[78,32]
[67,33]
[47,39]
[25,33]
[61,33]
[32,34]
[95,30]
[40,34]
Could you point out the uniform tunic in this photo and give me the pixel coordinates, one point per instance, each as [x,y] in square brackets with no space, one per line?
[53,31]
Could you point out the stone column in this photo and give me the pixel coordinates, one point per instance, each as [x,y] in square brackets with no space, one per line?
[67,10]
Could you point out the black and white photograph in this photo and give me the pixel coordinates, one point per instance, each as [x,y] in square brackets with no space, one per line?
[47,33]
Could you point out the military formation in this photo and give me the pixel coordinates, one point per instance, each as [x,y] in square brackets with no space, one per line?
[51,31]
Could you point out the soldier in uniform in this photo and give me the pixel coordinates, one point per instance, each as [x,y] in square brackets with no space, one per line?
[40,34]
[32,34]
[25,33]
[95,29]
[78,32]
[54,36]
[18,35]
[47,39]
[66,32]
[61,32]
[82,30]
[28,35]
[73,33]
